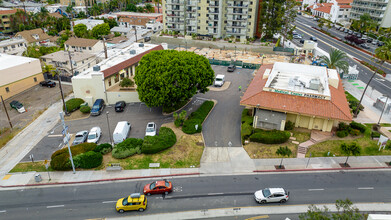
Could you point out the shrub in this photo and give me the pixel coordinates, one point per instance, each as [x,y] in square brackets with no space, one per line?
[197,117]
[88,160]
[343,126]
[246,131]
[61,162]
[103,148]
[270,137]
[126,82]
[342,133]
[388,145]
[154,144]
[358,126]
[354,132]
[246,118]
[127,148]
[60,159]
[289,125]
[189,126]
[375,134]
[73,104]
[85,109]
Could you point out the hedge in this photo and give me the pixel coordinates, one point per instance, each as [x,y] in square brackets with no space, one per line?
[154,144]
[73,104]
[88,160]
[103,148]
[127,148]
[342,133]
[197,117]
[246,131]
[60,159]
[246,118]
[85,109]
[289,125]
[362,128]
[270,136]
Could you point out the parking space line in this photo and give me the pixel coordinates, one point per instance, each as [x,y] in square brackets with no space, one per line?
[55,206]
[2,211]
[55,135]
[315,189]
[365,188]
[109,201]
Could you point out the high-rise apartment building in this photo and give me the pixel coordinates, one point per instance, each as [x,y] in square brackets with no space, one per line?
[379,10]
[214,18]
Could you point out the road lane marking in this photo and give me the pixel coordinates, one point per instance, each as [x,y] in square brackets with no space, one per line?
[258,217]
[109,201]
[55,135]
[365,188]
[54,206]
[6,177]
[211,194]
[315,189]
[2,211]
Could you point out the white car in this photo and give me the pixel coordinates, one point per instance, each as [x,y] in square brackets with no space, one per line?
[151,129]
[297,36]
[219,81]
[271,195]
[94,135]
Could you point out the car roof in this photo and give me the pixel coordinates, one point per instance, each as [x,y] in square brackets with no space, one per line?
[160,183]
[276,190]
[220,76]
[135,197]
[94,129]
[81,132]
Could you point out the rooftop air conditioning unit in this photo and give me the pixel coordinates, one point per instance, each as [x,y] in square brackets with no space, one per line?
[96,68]
[132,52]
[314,84]
[141,45]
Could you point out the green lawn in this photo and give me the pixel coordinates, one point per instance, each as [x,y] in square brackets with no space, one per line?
[30,166]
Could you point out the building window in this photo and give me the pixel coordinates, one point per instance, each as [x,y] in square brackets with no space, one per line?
[198,27]
[251,3]
[249,16]
[13,46]
[116,79]
[35,79]
[7,89]
[249,23]
[89,48]
[84,48]
[73,47]
[109,82]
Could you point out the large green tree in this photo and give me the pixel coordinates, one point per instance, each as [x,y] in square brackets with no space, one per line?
[345,210]
[80,30]
[167,77]
[337,60]
[100,30]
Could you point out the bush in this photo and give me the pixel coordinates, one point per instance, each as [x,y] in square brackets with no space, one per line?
[154,144]
[60,159]
[88,160]
[289,125]
[343,126]
[85,109]
[73,104]
[375,134]
[270,137]
[197,117]
[61,162]
[354,132]
[126,82]
[127,148]
[246,118]
[342,134]
[246,131]
[189,126]
[358,126]
[103,148]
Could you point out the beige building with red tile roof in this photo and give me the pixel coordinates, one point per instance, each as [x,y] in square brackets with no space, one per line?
[335,10]
[312,97]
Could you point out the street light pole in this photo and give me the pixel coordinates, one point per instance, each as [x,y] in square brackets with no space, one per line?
[108,126]
[62,94]
[385,105]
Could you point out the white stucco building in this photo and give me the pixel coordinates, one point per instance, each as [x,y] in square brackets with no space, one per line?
[90,23]
[84,45]
[13,46]
[334,10]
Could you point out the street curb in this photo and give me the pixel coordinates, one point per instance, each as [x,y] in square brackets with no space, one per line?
[102,180]
[325,169]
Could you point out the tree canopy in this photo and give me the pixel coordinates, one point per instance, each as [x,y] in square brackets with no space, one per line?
[80,30]
[101,29]
[337,60]
[167,77]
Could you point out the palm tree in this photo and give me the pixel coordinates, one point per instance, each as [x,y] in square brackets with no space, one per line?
[337,60]
[283,151]
[351,149]
[383,54]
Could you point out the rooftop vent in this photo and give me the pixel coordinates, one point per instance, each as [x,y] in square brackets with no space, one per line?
[96,68]
[314,84]
[141,45]
[132,52]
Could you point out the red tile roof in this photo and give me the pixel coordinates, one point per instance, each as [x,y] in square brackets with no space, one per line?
[324,9]
[6,12]
[127,63]
[344,1]
[336,108]
[345,6]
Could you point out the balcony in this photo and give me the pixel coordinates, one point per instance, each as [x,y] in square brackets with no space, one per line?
[212,31]
[175,21]
[175,2]
[213,11]
[190,17]
[175,9]
[213,18]
[191,10]
[234,32]
[191,3]
[191,23]
[236,5]
[193,30]
[237,18]
[175,15]
[233,25]
[213,24]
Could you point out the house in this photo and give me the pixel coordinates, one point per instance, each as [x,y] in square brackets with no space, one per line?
[56,15]
[84,45]
[155,16]
[133,22]
[90,23]
[17,74]
[13,46]
[80,61]
[36,37]
[335,10]
[311,97]
[88,84]
[5,20]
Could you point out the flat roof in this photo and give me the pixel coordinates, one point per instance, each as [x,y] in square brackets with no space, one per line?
[12,41]
[138,14]
[63,56]
[8,61]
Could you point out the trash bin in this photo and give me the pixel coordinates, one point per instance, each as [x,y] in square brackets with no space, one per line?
[38,178]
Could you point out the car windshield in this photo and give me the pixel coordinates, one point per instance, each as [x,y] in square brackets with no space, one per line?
[125,201]
[167,184]
[266,193]
[95,108]
[79,136]
[219,79]
[91,136]
[150,129]
[152,185]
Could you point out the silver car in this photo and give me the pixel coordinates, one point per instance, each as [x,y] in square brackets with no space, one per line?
[80,137]
[271,195]
[151,129]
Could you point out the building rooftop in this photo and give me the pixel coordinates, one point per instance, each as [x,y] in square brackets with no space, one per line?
[9,61]
[34,35]
[15,40]
[62,56]
[6,12]
[134,20]
[81,42]
[126,13]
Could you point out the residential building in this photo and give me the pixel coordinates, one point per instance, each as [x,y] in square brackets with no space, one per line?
[213,18]
[311,97]
[5,21]
[334,10]
[88,84]
[56,15]
[13,46]
[36,37]
[155,16]
[133,22]
[90,23]
[379,10]
[81,2]
[84,45]
[62,60]
[18,74]
[154,26]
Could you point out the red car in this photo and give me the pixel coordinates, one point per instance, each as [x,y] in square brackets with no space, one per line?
[158,187]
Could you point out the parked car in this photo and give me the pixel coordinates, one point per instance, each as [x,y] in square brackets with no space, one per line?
[80,137]
[359,35]
[18,106]
[158,187]
[48,83]
[350,32]
[120,106]
[346,30]
[313,38]
[231,68]
[94,135]
[342,29]
[98,107]
[297,36]
[135,201]
[121,131]
[316,19]
[271,195]
[338,28]
[365,46]
[151,129]
[219,80]
[364,37]
[146,39]
[302,41]
[374,42]
[380,43]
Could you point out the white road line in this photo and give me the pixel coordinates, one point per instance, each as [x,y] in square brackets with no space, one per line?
[3,211]
[210,194]
[365,188]
[315,189]
[109,201]
[54,206]
[55,135]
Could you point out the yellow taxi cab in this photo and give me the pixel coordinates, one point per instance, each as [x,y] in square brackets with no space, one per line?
[135,201]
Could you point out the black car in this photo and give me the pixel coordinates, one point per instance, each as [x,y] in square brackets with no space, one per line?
[313,39]
[48,83]
[146,39]
[369,40]
[231,68]
[302,41]
[380,43]
[119,106]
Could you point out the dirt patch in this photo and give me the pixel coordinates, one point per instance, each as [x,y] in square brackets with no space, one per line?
[259,151]
[76,115]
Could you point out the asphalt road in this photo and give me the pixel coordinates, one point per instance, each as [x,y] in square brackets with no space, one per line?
[325,43]
[193,193]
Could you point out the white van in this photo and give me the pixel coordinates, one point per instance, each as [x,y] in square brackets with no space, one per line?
[219,80]
[121,131]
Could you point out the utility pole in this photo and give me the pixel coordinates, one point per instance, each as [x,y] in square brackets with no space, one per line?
[65,133]
[62,94]
[104,46]
[6,112]
[385,105]
[70,61]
